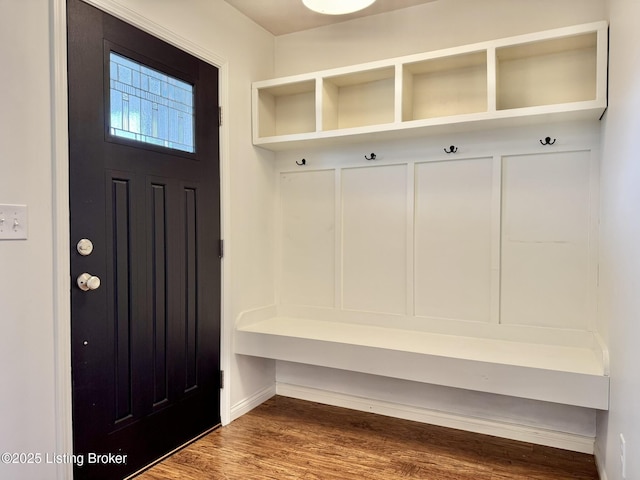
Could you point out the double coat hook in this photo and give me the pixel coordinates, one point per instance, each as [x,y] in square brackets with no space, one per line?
[452,149]
[547,141]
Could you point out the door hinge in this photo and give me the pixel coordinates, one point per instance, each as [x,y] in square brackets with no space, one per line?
[221,379]
[220,248]
[219,116]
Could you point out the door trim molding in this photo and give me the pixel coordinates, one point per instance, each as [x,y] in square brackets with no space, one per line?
[60,208]
[61,251]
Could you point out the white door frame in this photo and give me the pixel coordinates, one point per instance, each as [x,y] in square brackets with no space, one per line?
[60,180]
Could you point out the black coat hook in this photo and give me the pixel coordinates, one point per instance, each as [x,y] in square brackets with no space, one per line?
[303,162]
[452,149]
[547,141]
[372,157]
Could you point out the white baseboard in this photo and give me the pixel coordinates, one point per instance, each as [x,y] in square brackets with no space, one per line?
[600,464]
[248,404]
[524,433]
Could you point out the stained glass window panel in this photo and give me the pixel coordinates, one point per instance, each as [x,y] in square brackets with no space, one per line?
[150,106]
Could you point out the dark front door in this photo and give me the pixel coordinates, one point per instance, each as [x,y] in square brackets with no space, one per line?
[145,229]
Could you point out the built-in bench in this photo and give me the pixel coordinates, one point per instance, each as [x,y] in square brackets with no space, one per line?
[571,375]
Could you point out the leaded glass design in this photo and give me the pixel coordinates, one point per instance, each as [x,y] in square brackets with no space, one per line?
[149,106]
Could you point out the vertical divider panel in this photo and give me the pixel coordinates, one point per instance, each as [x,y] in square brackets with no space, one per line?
[256,117]
[411,200]
[279,240]
[329,99]
[593,236]
[407,96]
[339,248]
[492,82]
[402,89]
[602,72]
[496,238]
[320,113]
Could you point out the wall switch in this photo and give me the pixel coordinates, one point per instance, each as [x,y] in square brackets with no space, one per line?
[623,457]
[13,222]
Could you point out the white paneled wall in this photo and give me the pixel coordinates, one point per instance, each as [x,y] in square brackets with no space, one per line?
[374,238]
[502,239]
[545,240]
[453,238]
[493,248]
[308,238]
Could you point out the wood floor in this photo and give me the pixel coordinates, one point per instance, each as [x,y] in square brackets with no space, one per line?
[292,439]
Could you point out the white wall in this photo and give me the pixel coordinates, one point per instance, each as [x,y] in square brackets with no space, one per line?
[27,343]
[431,26]
[620,242]
[26,267]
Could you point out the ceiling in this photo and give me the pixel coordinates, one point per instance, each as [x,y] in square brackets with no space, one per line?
[286,16]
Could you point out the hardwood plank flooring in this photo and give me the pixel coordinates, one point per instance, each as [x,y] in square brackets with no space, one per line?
[292,439]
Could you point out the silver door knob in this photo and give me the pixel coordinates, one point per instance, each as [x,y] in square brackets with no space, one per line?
[87,282]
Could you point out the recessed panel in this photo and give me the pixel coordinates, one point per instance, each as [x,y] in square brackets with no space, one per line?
[453,234]
[545,240]
[191,301]
[308,238]
[122,284]
[374,232]
[159,306]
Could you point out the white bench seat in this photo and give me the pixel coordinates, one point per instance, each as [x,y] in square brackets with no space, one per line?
[553,373]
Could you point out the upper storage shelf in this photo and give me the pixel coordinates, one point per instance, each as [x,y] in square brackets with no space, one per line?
[558,74]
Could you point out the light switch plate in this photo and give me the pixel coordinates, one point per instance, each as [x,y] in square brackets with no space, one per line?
[13,222]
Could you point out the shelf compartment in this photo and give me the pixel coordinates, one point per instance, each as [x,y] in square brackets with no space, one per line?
[358,99]
[445,86]
[555,75]
[287,109]
[548,72]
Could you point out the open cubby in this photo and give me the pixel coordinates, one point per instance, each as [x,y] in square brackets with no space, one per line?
[287,109]
[558,74]
[548,72]
[445,86]
[358,99]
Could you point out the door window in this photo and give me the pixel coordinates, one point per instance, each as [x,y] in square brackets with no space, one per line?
[149,106]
